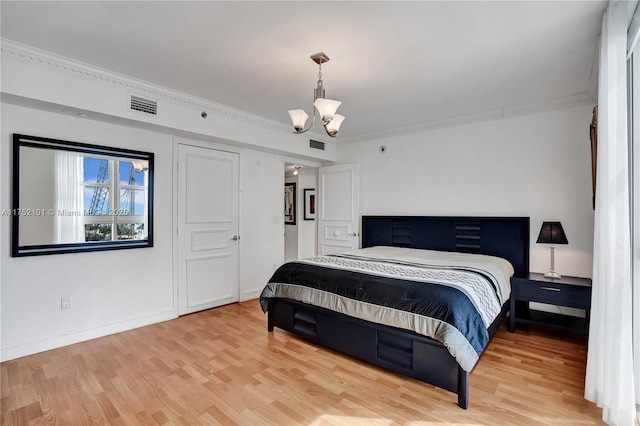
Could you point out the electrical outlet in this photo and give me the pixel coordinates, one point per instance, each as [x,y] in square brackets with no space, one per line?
[65,302]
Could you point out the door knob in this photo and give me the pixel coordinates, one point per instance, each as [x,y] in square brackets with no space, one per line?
[354,234]
[235,237]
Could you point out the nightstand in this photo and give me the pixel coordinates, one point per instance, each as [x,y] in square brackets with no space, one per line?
[572,292]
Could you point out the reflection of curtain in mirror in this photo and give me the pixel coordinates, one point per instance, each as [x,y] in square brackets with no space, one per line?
[69,223]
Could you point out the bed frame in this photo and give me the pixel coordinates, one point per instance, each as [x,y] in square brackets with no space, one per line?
[403,351]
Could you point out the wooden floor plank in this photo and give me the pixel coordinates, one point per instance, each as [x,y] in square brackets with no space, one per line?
[221,366]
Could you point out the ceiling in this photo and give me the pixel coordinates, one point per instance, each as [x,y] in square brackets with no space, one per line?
[393,64]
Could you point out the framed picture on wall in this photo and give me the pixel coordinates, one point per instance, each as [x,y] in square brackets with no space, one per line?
[309,204]
[290,203]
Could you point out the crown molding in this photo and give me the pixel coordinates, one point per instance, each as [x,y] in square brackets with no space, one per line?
[571,101]
[11,50]
[579,99]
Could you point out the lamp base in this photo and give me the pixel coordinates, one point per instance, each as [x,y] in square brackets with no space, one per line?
[553,275]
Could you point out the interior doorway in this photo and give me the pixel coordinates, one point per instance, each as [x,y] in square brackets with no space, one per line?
[300,235]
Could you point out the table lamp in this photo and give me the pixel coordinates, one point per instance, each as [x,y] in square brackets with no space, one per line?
[552,233]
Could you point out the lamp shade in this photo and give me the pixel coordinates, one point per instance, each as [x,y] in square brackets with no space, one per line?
[333,126]
[298,118]
[326,108]
[552,233]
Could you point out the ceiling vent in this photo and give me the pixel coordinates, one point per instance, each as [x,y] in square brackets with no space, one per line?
[148,106]
[316,144]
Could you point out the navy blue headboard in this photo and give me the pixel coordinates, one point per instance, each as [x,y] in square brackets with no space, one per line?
[506,237]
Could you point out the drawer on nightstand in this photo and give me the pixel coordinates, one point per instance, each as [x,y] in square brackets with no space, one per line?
[549,292]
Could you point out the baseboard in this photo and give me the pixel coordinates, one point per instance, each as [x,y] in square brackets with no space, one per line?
[251,294]
[17,349]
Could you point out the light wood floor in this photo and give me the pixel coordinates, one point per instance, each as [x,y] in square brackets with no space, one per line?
[222,367]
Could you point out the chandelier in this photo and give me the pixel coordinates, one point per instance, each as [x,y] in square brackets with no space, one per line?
[326,108]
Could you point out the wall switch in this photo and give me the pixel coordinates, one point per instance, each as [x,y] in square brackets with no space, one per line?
[65,302]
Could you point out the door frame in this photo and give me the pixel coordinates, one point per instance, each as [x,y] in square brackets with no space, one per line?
[305,164]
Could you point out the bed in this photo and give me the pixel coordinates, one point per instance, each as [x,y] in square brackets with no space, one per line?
[343,301]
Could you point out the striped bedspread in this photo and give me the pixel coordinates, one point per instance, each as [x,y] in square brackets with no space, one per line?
[450,297]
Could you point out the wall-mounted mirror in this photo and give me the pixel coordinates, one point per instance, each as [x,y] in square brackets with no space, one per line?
[73,197]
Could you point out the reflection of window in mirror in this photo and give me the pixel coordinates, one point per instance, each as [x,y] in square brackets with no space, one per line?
[114,199]
[77,197]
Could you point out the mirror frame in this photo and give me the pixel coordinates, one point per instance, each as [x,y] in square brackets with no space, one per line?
[18,250]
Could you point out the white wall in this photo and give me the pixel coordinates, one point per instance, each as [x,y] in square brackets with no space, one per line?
[536,165]
[290,230]
[110,291]
[307,178]
[262,220]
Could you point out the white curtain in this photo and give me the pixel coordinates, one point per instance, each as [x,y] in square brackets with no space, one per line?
[633,53]
[610,375]
[635,162]
[69,223]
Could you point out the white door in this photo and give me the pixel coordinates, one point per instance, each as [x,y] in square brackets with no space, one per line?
[208,239]
[338,214]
